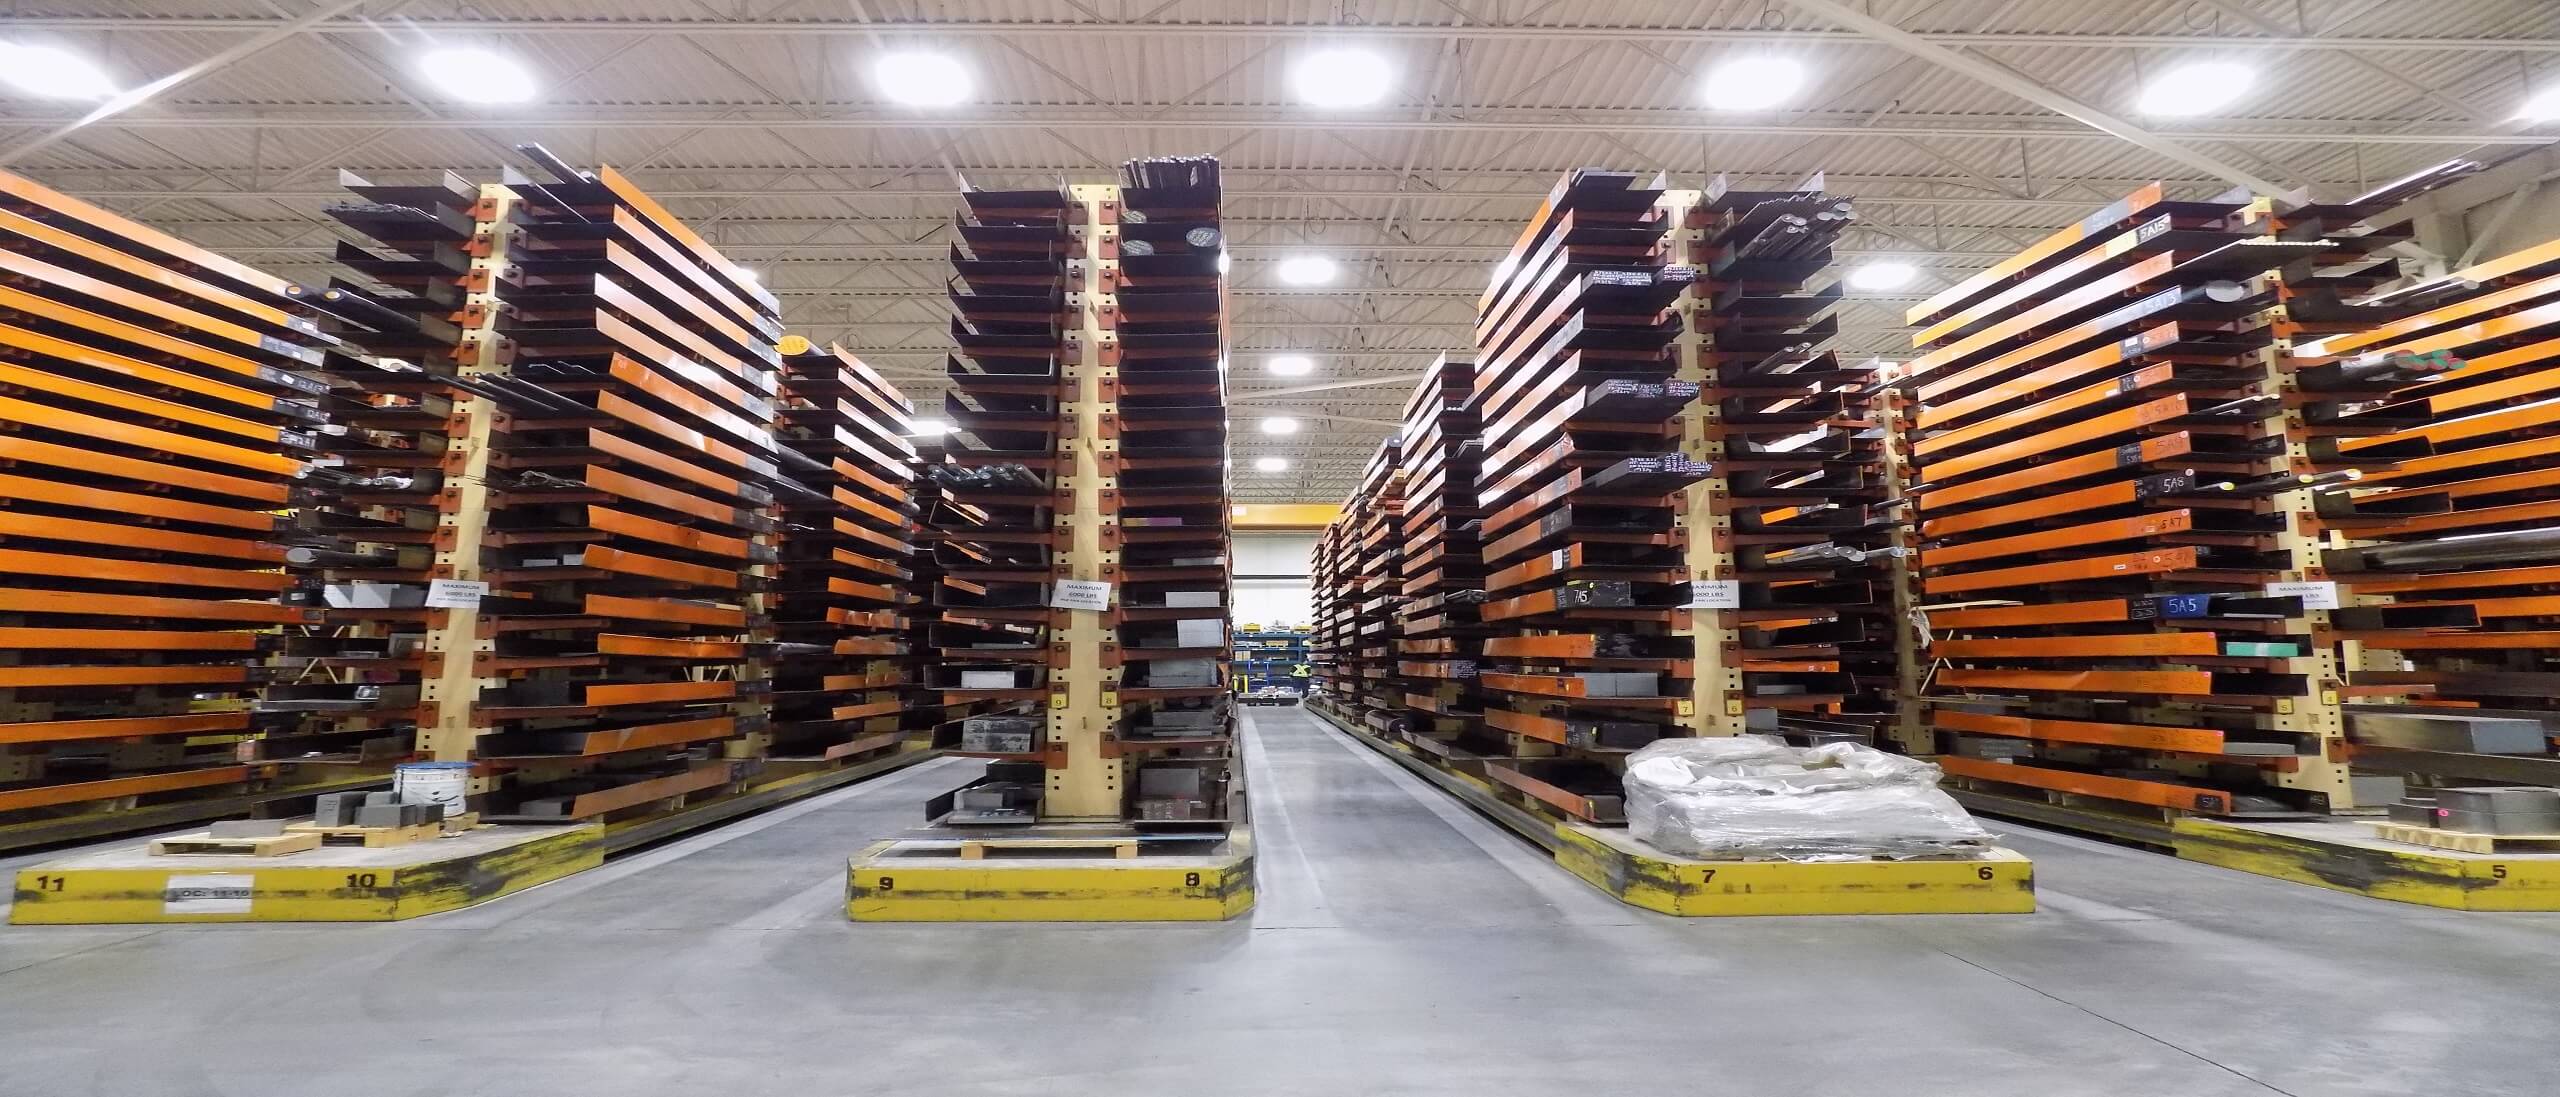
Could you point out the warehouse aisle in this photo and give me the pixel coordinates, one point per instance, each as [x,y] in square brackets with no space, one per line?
[1402,946]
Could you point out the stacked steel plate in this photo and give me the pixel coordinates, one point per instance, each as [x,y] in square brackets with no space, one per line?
[162,408]
[992,528]
[1376,591]
[2445,547]
[625,513]
[1579,487]
[841,665]
[1172,517]
[2118,483]
[1795,519]
[1438,639]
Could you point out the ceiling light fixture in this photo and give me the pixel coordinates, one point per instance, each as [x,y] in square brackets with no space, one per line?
[1883,276]
[1308,270]
[926,428]
[1271,464]
[1341,78]
[1291,365]
[1753,83]
[2542,106]
[919,79]
[2198,87]
[51,72]
[475,75]
[1279,424]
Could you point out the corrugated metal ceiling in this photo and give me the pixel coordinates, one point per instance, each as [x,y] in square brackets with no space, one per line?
[760,125]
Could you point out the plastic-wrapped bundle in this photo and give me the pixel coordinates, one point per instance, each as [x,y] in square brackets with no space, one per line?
[1753,797]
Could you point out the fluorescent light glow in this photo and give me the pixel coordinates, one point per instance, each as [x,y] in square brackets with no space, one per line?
[475,75]
[51,72]
[1271,464]
[1308,270]
[2198,87]
[2542,106]
[1882,276]
[1292,365]
[926,428]
[1222,261]
[751,274]
[1753,83]
[1279,424]
[922,79]
[1342,78]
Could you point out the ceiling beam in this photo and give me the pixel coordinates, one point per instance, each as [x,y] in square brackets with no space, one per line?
[2000,76]
[801,28]
[1680,123]
[945,194]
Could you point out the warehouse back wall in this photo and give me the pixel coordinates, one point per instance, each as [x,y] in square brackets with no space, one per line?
[1271,578]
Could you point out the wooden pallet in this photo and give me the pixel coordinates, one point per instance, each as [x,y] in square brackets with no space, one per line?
[975,849]
[368,837]
[273,845]
[2468,842]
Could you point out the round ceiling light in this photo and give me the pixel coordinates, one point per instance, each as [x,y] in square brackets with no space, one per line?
[1341,78]
[1882,276]
[1308,270]
[1753,83]
[919,79]
[51,72]
[2199,87]
[475,75]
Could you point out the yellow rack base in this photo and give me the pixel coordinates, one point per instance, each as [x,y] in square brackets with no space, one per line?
[329,884]
[345,884]
[935,880]
[2002,882]
[2344,855]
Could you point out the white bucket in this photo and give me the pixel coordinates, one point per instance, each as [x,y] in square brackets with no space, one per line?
[446,783]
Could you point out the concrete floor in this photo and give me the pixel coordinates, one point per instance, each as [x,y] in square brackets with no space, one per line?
[1402,946]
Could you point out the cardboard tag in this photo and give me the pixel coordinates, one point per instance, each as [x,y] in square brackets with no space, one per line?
[1083,594]
[455,593]
[2313,595]
[1715,594]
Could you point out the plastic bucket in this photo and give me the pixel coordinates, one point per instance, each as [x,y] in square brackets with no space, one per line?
[446,783]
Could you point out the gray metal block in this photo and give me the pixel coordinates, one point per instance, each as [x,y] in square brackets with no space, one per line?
[2498,822]
[379,815]
[337,809]
[2422,814]
[2501,799]
[2448,732]
[1620,683]
[2377,788]
[247,828]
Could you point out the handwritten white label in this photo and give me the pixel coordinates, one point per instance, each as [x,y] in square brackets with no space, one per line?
[1715,594]
[454,593]
[1084,594]
[2313,595]
[216,893]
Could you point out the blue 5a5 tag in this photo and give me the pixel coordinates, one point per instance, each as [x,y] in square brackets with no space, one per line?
[2186,605]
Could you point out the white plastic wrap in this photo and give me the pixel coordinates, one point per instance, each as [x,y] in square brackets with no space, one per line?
[1753,797]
